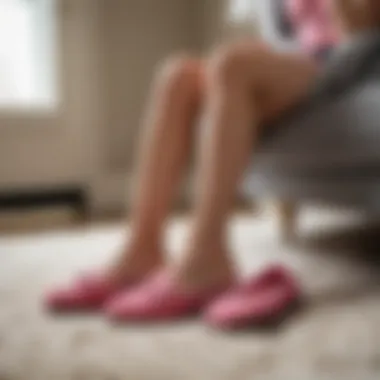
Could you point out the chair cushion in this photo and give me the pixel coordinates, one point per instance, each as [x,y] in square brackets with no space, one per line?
[342,133]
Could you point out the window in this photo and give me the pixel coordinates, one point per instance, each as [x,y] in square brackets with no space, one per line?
[27,55]
[243,16]
[240,10]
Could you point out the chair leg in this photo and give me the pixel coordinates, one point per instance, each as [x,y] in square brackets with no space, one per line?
[254,206]
[287,214]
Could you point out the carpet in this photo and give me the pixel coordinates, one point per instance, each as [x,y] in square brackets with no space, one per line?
[336,336]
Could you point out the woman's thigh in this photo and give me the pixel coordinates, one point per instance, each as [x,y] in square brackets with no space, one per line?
[283,80]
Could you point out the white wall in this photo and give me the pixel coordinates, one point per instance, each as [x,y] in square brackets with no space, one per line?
[109,51]
[40,149]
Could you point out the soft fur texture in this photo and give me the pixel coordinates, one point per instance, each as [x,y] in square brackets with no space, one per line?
[336,337]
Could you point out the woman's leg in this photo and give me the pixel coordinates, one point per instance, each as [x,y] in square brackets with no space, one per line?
[247,85]
[167,137]
[176,97]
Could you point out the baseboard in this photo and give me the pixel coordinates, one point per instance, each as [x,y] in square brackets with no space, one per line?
[37,198]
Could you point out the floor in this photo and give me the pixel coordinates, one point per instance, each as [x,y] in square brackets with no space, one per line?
[336,336]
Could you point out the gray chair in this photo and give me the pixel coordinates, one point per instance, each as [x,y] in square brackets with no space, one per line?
[328,150]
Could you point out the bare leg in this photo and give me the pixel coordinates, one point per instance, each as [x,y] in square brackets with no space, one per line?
[247,84]
[165,148]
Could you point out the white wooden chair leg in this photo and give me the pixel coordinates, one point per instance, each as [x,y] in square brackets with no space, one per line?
[287,217]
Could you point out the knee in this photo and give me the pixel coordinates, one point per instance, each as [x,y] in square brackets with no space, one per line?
[179,73]
[230,63]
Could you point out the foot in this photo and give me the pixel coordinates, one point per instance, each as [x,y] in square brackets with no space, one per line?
[263,299]
[159,298]
[172,293]
[84,293]
[91,291]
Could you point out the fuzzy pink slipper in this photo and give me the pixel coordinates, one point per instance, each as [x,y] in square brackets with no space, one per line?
[88,292]
[261,300]
[156,299]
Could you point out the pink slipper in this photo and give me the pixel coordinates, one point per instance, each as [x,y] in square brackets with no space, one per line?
[156,299]
[88,292]
[262,300]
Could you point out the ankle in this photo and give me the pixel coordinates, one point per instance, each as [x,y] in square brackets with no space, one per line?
[143,255]
[205,269]
[144,242]
[134,265]
[205,239]
[208,249]
[140,255]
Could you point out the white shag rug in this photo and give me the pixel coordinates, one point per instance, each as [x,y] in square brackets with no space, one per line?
[336,337]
